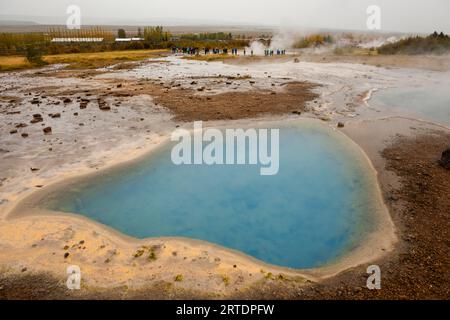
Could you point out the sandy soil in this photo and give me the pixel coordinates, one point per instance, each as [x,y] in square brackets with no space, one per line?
[122,114]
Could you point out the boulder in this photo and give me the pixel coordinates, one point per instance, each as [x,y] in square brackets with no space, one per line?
[445,159]
[341,125]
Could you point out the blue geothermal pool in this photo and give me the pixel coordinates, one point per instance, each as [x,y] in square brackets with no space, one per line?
[317,208]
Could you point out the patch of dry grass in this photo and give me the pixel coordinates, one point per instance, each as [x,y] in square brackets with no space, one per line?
[101,59]
[81,60]
[11,63]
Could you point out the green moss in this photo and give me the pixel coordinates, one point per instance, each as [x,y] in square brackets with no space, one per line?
[226,280]
[179,278]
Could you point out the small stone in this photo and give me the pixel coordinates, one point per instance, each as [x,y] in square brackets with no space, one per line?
[47,130]
[445,159]
[13,131]
[66,255]
[24,135]
[341,125]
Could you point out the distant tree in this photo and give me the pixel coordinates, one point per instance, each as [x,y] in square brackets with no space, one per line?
[34,55]
[121,33]
[156,35]
[139,33]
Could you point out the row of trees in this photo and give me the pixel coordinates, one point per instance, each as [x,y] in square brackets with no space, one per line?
[314,40]
[436,43]
[153,38]
[207,36]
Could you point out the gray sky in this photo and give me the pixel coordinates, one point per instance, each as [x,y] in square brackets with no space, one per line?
[397,15]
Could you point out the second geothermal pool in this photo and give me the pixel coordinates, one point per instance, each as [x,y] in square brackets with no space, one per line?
[318,207]
[428,102]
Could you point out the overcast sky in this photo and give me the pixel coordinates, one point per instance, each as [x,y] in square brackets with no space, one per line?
[397,15]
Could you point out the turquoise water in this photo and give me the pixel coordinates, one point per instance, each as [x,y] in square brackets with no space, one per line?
[314,210]
[426,102]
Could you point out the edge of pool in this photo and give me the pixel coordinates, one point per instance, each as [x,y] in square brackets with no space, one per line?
[375,245]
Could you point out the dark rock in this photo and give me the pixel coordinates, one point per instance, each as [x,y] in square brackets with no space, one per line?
[55,115]
[37,118]
[103,106]
[21,125]
[24,135]
[34,169]
[66,255]
[67,100]
[445,159]
[13,131]
[341,125]
[47,130]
